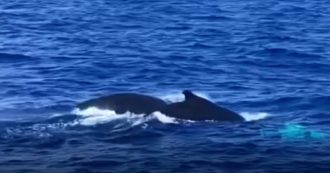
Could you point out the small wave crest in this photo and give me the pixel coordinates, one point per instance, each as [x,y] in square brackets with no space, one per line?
[163,118]
[254,116]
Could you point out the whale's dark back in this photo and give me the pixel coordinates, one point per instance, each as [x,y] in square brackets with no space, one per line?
[123,102]
[198,109]
[192,108]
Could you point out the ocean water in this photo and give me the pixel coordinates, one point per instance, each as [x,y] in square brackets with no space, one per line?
[267,60]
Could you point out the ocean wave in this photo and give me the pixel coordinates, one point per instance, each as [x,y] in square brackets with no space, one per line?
[254,116]
[14,58]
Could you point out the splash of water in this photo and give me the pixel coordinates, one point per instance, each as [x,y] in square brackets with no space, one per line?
[93,116]
[250,116]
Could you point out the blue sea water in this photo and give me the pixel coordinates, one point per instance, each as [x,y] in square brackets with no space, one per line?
[267,60]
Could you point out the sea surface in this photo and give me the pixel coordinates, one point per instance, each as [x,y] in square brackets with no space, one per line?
[267,60]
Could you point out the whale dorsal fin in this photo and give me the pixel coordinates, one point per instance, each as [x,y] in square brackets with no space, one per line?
[188,94]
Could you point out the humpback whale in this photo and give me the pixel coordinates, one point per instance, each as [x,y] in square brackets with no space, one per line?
[123,102]
[192,108]
[198,109]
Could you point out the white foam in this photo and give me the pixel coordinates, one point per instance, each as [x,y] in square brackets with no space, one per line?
[56,115]
[163,118]
[93,111]
[250,116]
[93,116]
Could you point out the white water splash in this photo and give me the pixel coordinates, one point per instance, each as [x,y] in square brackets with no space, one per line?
[163,118]
[93,116]
[250,116]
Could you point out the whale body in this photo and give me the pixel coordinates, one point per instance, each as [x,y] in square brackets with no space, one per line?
[123,102]
[192,108]
[198,109]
